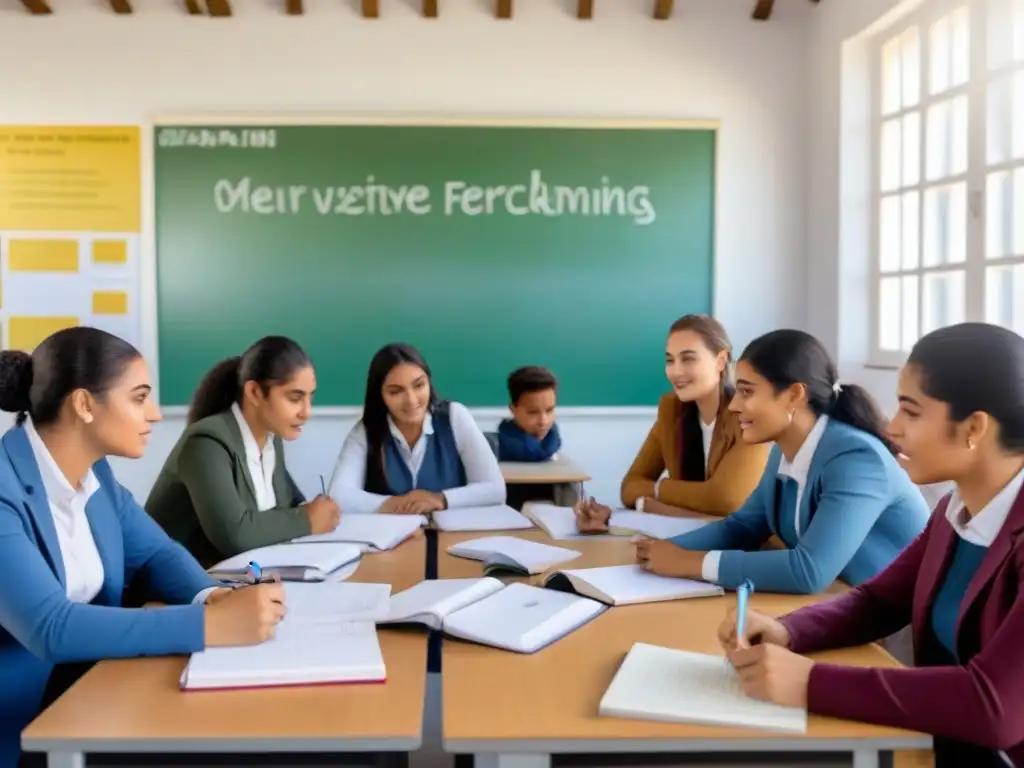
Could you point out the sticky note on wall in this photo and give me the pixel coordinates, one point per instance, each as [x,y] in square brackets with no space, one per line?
[109,252]
[109,303]
[25,332]
[43,255]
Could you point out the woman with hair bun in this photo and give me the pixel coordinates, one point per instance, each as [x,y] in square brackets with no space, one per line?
[72,538]
[225,489]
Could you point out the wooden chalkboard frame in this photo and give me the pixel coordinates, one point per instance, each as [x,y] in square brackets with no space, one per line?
[147,273]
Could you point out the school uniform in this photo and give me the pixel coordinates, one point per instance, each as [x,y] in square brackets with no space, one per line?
[843,507]
[220,493]
[689,464]
[68,554]
[515,444]
[960,585]
[452,457]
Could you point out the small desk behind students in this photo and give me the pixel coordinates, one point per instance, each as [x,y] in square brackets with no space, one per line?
[546,703]
[559,481]
[135,706]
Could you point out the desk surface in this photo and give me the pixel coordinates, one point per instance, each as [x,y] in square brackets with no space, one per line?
[135,705]
[560,470]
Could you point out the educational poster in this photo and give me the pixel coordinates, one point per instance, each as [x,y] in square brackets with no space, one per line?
[70,210]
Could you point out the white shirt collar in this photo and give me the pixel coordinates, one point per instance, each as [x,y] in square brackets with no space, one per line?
[252,448]
[983,528]
[55,484]
[428,429]
[801,464]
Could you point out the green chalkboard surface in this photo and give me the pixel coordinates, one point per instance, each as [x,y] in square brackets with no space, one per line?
[487,246]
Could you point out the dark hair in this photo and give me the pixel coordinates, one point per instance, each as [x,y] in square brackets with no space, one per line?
[37,385]
[786,357]
[530,378]
[271,360]
[976,367]
[375,412]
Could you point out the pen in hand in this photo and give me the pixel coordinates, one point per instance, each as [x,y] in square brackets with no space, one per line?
[743,592]
[323,486]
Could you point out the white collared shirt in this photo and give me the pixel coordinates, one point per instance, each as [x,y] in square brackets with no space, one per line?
[707,431]
[484,487]
[797,470]
[261,462]
[982,528]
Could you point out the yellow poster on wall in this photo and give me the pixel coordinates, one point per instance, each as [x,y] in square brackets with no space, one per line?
[70,178]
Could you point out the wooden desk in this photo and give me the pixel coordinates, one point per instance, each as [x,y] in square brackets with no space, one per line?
[560,470]
[516,710]
[135,706]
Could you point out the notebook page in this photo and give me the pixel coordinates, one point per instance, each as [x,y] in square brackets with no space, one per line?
[383,532]
[439,597]
[497,518]
[626,584]
[323,557]
[559,522]
[668,685]
[531,555]
[331,601]
[656,526]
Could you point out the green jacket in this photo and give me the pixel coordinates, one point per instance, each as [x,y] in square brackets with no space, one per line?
[204,497]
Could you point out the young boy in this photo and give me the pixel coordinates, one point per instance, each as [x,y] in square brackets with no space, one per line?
[531,434]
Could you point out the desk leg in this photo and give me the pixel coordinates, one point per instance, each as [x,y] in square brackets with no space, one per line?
[867,758]
[65,760]
[512,760]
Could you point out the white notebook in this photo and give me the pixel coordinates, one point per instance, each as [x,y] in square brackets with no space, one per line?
[293,562]
[379,532]
[337,601]
[517,617]
[560,523]
[512,555]
[497,518]
[671,686]
[628,585]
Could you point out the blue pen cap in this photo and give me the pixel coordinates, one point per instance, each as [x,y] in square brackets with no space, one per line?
[747,585]
[257,572]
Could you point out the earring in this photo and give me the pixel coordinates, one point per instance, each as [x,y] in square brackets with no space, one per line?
[791,417]
[970,444]
[87,418]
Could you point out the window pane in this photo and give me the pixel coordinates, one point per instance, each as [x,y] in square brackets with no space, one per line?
[942,300]
[911,149]
[889,239]
[911,293]
[889,314]
[910,67]
[999,123]
[889,171]
[1005,32]
[999,215]
[891,76]
[1004,297]
[945,225]
[910,224]
[947,138]
[949,49]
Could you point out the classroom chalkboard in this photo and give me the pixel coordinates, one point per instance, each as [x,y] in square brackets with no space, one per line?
[487,246]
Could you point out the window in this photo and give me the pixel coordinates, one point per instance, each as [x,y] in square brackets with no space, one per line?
[949,172]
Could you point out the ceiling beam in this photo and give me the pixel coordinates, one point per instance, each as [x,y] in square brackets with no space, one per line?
[293,7]
[585,9]
[218,7]
[37,7]
[121,6]
[503,10]
[193,7]
[371,9]
[763,10]
[430,9]
[663,9]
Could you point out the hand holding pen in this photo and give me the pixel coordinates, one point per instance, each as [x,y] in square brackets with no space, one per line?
[323,512]
[743,627]
[247,615]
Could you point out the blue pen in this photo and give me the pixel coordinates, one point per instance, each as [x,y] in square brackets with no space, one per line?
[743,592]
[255,571]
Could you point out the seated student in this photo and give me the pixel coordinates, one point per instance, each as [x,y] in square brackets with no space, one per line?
[695,437]
[832,491]
[411,453]
[960,584]
[531,434]
[72,538]
[225,489]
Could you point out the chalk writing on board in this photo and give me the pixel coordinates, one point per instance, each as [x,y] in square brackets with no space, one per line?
[531,196]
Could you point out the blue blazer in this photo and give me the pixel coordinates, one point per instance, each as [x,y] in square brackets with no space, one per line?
[858,510]
[40,627]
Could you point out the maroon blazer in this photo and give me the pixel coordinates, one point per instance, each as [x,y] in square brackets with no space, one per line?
[981,702]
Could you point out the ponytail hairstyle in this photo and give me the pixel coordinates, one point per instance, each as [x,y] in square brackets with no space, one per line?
[270,361]
[787,357]
[375,411]
[37,385]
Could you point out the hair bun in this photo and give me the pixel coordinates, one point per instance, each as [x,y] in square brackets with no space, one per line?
[15,380]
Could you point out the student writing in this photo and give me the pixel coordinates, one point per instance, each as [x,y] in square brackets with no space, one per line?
[832,491]
[72,538]
[411,453]
[225,488]
[710,469]
[532,433]
[960,584]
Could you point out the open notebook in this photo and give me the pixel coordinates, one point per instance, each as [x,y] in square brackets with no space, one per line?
[496,518]
[512,555]
[671,686]
[516,617]
[292,562]
[560,523]
[378,532]
[328,636]
[628,585]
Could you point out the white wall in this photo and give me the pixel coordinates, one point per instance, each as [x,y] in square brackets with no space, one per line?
[85,65]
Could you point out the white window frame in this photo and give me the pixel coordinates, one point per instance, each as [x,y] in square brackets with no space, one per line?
[976,89]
